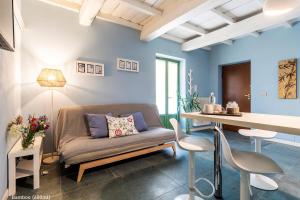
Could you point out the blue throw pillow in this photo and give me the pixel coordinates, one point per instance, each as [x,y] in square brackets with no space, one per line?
[139,121]
[97,125]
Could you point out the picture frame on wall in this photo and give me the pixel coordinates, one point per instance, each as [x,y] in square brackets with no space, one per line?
[127,65]
[80,67]
[99,70]
[7,29]
[89,68]
[287,79]
[121,64]
[134,66]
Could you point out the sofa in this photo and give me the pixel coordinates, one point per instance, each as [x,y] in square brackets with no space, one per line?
[75,145]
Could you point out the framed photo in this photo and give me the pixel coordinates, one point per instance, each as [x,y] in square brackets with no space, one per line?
[7,31]
[287,79]
[80,67]
[99,70]
[121,64]
[90,69]
[135,66]
[127,65]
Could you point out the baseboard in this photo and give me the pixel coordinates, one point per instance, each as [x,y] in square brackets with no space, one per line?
[5,195]
[296,144]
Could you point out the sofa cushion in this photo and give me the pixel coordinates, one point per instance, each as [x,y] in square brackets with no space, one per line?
[139,121]
[123,126]
[82,149]
[97,124]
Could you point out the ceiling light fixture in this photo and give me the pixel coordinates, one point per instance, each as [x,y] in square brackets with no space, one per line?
[279,7]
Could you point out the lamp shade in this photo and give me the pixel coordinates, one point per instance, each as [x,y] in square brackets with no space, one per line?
[279,7]
[51,78]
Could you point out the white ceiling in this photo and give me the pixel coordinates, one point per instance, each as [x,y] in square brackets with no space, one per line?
[122,12]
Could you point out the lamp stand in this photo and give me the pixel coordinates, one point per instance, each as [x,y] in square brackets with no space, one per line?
[53,158]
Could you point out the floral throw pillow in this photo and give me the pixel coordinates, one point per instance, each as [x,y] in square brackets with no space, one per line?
[122,126]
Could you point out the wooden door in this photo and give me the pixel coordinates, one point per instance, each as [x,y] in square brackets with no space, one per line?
[236,86]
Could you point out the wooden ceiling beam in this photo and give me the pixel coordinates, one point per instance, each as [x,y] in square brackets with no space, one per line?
[288,24]
[228,42]
[195,29]
[142,7]
[222,15]
[118,20]
[106,17]
[255,34]
[175,14]
[207,48]
[88,11]
[172,38]
[241,28]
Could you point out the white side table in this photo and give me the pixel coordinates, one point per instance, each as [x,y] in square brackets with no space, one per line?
[24,168]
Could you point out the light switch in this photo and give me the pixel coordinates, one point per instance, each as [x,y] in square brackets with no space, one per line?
[264,93]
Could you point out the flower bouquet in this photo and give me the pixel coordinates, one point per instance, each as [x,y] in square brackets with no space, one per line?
[35,127]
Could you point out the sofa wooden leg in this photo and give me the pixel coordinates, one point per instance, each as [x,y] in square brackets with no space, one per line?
[174,148]
[80,174]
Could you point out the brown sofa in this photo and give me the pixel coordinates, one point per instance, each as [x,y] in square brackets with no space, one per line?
[76,146]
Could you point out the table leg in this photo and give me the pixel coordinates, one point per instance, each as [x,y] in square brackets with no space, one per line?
[217,164]
[36,171]
[12,176]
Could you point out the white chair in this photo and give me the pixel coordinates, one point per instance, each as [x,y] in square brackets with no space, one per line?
[257,180]
[192,144]
[247,163]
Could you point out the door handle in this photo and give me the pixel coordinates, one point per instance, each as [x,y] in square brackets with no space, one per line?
[248,96]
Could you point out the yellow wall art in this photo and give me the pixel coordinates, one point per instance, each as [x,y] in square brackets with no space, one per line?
[287,79]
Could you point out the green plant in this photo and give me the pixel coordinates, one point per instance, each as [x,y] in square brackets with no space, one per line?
[189,103]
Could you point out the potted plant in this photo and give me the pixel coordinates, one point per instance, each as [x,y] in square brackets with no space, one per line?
[189,104]
[34,127]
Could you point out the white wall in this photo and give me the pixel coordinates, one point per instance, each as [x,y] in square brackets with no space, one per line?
[10,101]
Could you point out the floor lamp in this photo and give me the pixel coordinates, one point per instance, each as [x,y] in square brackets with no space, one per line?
[51,78]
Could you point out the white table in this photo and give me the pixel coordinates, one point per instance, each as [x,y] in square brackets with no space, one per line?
[278,123]
[24,168]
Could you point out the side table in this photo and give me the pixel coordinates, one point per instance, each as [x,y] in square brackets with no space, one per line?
[24,167]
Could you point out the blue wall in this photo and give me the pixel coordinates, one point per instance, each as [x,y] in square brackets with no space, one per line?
[53,37]
[264,53]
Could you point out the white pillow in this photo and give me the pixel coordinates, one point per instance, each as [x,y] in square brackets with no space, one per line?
[120,126]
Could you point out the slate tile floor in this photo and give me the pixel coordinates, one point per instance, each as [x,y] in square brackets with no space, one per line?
[160,176]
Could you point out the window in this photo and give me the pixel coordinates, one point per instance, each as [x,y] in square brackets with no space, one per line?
[167,88]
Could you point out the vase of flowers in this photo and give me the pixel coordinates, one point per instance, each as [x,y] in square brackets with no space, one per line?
[34,127]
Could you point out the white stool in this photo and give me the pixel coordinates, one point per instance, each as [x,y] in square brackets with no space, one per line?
[257,180]
[192,144]
[247,163]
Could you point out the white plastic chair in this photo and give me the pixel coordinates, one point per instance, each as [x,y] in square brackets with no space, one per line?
[246,163]
[192,144]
